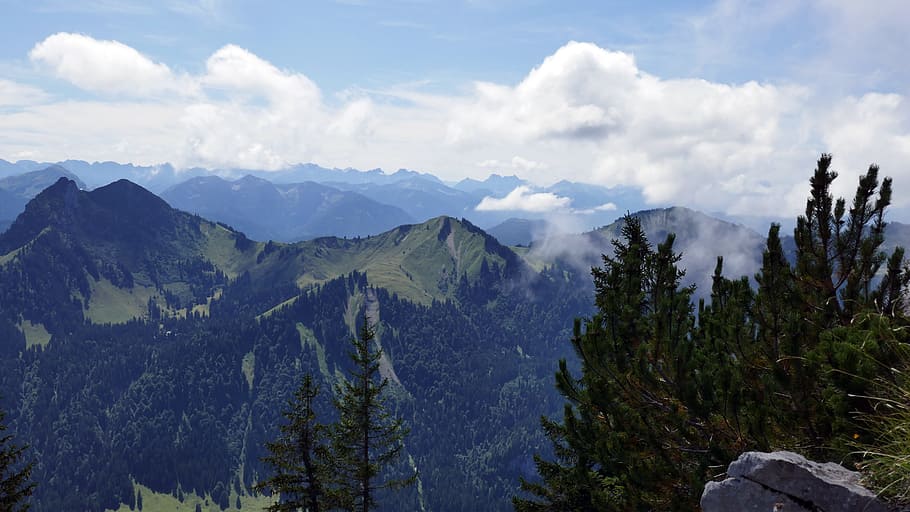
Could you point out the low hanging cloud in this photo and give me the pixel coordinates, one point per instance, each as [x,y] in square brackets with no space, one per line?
[524,199]
[606,207]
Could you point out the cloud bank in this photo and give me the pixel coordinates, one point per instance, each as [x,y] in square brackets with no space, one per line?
[585,113]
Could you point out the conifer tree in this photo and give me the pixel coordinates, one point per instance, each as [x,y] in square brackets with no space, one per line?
[298,456]
[814,321]
[636,362]
[15,487]
[663,399]
[366,438]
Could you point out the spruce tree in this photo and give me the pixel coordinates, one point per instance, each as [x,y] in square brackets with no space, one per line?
[15,472]
[298,456]
[367,438]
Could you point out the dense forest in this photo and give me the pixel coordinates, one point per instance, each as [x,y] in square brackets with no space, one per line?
[183,399]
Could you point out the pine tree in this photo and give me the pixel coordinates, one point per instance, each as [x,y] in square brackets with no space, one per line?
[15,487]
[822,320]
[625,440]
[298,456]
[663,399]
[367,438]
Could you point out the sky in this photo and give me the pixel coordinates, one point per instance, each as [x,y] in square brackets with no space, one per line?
[720,105]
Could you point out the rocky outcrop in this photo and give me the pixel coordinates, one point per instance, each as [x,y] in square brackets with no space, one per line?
[787,482]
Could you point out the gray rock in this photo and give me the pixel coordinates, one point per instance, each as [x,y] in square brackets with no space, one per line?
[785,482]
[735,494]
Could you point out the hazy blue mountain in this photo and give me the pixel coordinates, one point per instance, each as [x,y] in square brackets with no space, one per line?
[30,184]
[896,234]
[155,178]
[152,177]
[16,190]
[495,185]
[421,197]
[515,231]
[284,212]
[11,205]
[587,196]
[19,167]
[311,172]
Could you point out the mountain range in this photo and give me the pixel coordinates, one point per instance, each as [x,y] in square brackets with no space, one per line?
[420,196]
[159,347]
[268,211]
[145,350]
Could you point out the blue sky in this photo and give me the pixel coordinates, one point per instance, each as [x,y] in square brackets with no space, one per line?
[722,105]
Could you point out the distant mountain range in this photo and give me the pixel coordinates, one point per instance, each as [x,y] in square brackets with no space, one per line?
[287,212]
[17,189]
[420,196]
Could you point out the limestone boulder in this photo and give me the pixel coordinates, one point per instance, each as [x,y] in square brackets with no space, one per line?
[788,482]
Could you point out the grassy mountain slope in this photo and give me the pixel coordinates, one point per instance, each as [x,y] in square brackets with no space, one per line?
[105,254]
[420,262]
[120,252]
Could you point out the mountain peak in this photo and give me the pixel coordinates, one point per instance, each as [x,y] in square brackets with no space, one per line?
[129,199]
[64,188]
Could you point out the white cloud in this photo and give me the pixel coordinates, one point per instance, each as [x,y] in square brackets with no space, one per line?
[584,114]
[234,69]
[576,93]
[516,164]
[672,138]
[14,94]
[523,199]
[873,128]
[105,66]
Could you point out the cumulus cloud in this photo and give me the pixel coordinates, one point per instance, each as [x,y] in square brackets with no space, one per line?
[577,93]
[241,112]
[235,69]
[523,199]
[105,66]
[671,138]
